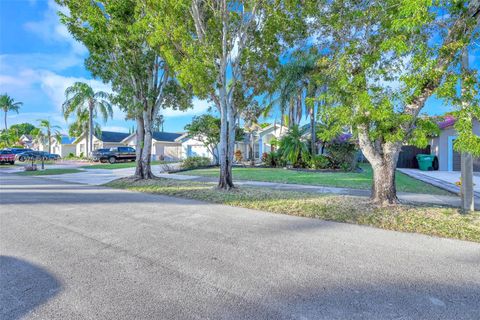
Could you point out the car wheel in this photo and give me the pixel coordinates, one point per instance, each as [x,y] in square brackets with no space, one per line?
[21,159]
[112,160]
[12,162]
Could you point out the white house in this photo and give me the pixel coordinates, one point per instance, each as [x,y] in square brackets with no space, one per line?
[27,141]
[104,140]
[262,141]
[64,147]
[165,145]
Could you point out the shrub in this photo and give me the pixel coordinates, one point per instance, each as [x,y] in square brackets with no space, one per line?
[319,162]
[342,155]
[270,159]
[195,162]
[294,149]
[265,156]
[238,155]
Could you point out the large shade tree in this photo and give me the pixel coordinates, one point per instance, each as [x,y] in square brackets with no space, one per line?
[209,42]
[8,104]
[390,57]
[115,34]
[81,97]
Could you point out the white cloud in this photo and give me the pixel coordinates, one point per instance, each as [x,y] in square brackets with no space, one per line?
[199,107]
[51,30]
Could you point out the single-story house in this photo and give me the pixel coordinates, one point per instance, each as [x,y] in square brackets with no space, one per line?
[262,139]
[442,146]
[171,146]
[63,147]
[104,140]
[27,141]
[164,145]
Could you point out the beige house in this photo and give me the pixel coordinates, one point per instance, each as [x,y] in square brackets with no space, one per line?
[442,146]
[104,140]
[165,145]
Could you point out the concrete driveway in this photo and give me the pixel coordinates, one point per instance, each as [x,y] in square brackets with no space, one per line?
[71,251]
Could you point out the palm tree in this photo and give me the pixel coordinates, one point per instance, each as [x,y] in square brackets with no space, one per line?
[9,104]
[80,125]
[295,86]
[293,148]
[158,122]
[46,132]
[81,96]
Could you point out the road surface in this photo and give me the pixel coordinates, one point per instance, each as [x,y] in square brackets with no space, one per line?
[71,251]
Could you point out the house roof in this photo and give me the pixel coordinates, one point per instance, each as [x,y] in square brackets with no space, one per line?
[27,136]
[67,140]
[110,136]
[166,136]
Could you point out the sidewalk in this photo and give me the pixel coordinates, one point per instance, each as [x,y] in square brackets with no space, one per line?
[404,197]
[443,179]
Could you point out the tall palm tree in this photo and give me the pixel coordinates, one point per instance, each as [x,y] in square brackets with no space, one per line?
[296,86]
[81,96]
[8,104]
[46,132]
[81,123]
[158,122]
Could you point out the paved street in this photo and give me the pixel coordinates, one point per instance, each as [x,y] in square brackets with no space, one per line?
[71,251]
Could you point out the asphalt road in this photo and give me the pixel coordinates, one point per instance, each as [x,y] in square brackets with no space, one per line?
[71,251]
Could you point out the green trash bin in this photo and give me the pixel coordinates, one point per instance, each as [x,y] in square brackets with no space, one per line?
[425,161]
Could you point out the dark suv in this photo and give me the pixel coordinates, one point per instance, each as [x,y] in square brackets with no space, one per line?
[115,155]
[99,153]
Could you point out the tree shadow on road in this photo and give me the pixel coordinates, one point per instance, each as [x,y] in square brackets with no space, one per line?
[23,287]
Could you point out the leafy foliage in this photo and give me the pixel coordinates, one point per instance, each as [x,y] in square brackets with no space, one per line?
[195,162]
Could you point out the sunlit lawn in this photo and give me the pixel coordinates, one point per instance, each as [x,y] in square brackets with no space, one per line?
[118,165]
[362,180]
[48,172]
[431,220]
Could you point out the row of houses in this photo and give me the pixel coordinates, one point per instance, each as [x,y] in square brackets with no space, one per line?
[168,146]
[172,146]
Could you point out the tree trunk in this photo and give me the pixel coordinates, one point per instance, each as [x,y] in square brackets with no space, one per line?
[384,190]
[252,150]
[147,145]
[49,137]
[139,148]
[313,146]
[90,129]
[225,180]
[5,121]
[383,158]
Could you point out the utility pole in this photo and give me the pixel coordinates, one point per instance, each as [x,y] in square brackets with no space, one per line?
[466,160]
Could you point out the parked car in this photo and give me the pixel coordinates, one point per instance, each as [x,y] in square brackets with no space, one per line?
[19,150]
[51,156]
[31,155]
[118,154]
[97,154]
[7,156]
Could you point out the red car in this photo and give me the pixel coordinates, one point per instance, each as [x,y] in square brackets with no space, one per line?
[6,156]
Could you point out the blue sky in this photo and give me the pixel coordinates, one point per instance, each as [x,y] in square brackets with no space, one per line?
[39,59]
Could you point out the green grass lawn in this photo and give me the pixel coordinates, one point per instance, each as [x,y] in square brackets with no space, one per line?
[430,220]
[48,172]
[119,165]
[352,180]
